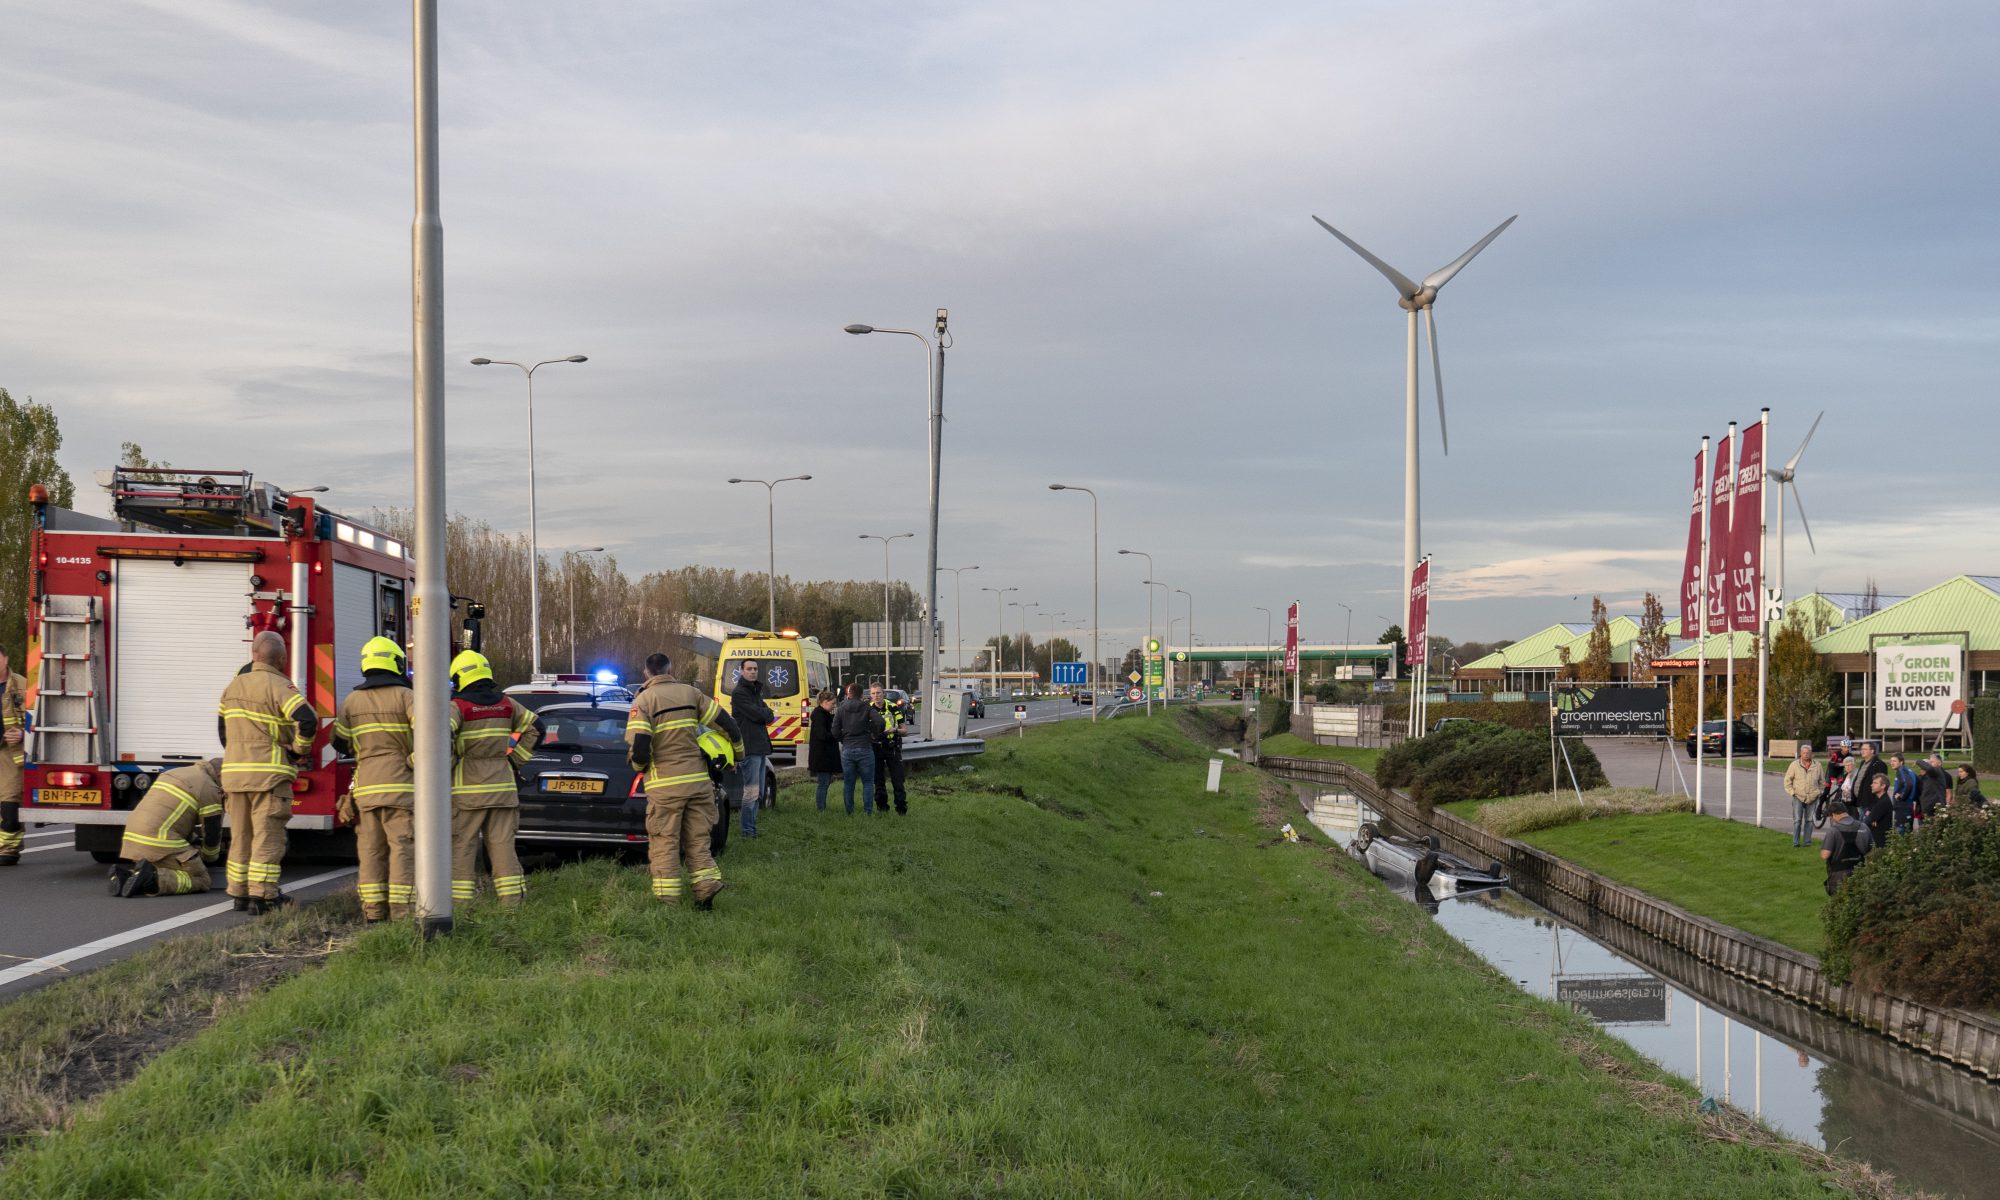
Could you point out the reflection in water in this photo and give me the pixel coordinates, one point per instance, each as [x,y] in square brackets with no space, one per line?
[1816,1079]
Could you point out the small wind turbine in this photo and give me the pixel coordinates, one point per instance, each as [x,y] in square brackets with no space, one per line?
[1416,298]
[1786,477]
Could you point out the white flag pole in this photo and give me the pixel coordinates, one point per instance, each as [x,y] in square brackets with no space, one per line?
[1703,484]
[1763,606]
[1729,643]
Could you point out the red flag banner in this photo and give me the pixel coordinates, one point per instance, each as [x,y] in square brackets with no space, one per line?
[1691,623]
[1292,639]
[1416,649]
[1722,473]
[1747,542]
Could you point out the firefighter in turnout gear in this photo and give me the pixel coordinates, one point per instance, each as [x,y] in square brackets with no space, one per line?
[13,756]
[266,728]
[889,750]
[663,737]
[375,729]
[490,735]
[159,852]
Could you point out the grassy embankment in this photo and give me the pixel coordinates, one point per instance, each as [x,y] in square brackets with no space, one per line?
[1068,972]
[1516,816]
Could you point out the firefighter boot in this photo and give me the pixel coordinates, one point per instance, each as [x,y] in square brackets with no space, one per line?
[262,905]
[142,880]
[115,880]
[707,882]
[11,832]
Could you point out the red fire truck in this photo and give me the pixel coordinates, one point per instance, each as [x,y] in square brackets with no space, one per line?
[136,624]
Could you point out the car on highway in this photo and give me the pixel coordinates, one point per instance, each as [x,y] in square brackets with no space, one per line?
[1235,693]
[578,788]
[974,709]
[1742,738]
[1081,698]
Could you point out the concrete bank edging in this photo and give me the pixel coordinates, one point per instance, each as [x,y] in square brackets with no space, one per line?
[1968,1039]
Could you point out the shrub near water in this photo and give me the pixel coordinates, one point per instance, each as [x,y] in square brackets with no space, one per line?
[1921,917]
[1479,761]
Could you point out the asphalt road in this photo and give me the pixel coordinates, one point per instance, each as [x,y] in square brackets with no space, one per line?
[59,920]
[1629,763]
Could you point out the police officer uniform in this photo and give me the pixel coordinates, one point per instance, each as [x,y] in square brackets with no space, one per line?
[375,728]
[889,767]
[491,734]
[662,736]
[264,724]
[159,852]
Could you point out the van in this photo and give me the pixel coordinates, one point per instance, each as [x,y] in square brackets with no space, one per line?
[795,669]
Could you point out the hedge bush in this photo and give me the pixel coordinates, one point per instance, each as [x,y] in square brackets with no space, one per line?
[1921,917]
[1986,733]
[1479,760]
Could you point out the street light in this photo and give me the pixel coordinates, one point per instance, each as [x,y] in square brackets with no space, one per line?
[1263,676]
[534,540]
[569,576]
[958,613]
[1347,643]
[888,629]
[999,629]
[1145,654]
[771,537]
[1052,644]
[304,491]
[934,358]
[1190,596]
[1090,671]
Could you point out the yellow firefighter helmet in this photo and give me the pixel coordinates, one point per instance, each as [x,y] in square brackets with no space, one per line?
[381,654]
[469,668]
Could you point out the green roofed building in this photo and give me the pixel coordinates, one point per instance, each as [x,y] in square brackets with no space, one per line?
[1962,611]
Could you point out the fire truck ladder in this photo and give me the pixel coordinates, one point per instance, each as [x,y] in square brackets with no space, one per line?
[66,692]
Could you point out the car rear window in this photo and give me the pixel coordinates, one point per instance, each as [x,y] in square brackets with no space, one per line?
[584,728]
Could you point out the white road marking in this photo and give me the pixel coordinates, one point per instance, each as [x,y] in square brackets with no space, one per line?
[48,833]
[39,849]
[64,957]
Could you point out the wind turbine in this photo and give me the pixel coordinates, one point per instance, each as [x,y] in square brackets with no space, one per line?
[1417,298]
[1786,477]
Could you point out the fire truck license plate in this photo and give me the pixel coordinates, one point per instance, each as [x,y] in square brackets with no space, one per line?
[590,787]
[84,796]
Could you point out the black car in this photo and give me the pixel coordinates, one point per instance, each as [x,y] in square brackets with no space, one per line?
[974,709]
[579,787]
[1742,738]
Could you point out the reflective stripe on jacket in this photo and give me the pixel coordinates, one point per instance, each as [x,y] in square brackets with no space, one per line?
[13,704]
[671,716]
[375,723]
[260,721]
[174,807]
[487,741]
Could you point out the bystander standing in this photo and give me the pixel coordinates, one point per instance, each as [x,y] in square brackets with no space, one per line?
[1847,842]
[822,748]
[1902,791]
[1805,782]
[1933,787]
[856,725]
[1880,811]
[753,717]
[1966,796]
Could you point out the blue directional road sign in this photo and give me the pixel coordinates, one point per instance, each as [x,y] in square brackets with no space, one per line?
[1069,674]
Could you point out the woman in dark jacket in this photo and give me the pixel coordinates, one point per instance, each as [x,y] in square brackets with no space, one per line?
[822,750]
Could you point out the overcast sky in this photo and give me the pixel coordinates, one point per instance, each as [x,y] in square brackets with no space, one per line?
[206,210]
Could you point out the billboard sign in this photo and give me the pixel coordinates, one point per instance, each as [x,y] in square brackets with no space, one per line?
[1599,710]
[1747,520]
[1416,649]
[1066,674]
[1919,687]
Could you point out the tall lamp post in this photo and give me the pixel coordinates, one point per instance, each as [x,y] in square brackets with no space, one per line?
[1345,644]
[1090,671]
[1263,676]
[1171,622]
[569,577]
[958,615]
[1190,596]
[534,539]
[1146,655]
[1053,617]
[888,627]
[771,537]
[432,597]
[999,628]
[934,356]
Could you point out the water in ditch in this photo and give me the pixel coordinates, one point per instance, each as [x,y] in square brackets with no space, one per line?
[1819,1080]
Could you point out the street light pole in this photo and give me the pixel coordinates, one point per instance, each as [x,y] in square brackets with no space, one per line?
[1023,647]
[771,537]
[999,629]
[1052,643]
[1145,653]
[1349,663]
[888,627]
[432,597]
[569,577]
[1263,676]
[958,614]
[1090,672]
[534,532]
[934,356]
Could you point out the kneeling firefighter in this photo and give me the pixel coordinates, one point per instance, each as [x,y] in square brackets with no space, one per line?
[491,734]
[375,729]
[158,856]
[662,737]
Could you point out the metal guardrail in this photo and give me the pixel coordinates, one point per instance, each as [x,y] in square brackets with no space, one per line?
[1968,1039]
[925,751]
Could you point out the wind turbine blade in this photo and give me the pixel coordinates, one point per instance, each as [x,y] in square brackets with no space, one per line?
[1442,276]
[1801,504]
[1403,285]
[1437,372]
[1800,452]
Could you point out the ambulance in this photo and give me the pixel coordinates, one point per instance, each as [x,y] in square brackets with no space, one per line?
[795,669]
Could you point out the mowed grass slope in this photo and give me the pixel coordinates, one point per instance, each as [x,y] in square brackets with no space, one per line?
[1069,972]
